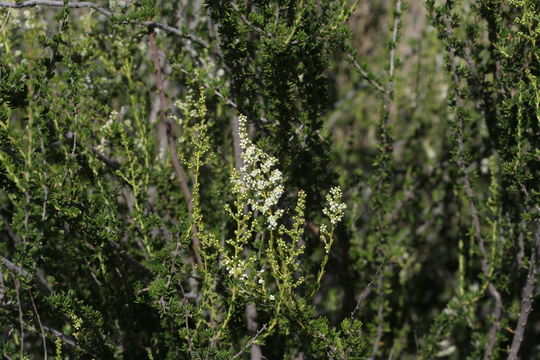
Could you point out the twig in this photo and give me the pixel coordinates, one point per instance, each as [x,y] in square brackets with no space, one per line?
[190,342]
[366,75]
[249,343]
[11,266]
[43,338]
[113,164]
[69,340]
[528,290]
[246,21]
[367,290]
[526,300]
[389,87]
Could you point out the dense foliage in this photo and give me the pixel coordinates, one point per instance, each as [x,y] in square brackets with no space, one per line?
[307,179]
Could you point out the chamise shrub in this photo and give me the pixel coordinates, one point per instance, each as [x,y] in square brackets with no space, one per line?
[308,179]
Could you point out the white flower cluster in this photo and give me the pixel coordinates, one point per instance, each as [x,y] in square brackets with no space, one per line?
[259,178]
[238,269]
[335,208]
[191,107]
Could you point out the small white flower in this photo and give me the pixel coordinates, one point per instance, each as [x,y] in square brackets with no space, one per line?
[335,209]
[258,178]
[261,281]
[272,297]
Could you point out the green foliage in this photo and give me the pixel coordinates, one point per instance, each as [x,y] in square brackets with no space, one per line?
[171,175]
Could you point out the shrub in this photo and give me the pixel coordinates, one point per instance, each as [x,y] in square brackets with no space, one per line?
[171,179]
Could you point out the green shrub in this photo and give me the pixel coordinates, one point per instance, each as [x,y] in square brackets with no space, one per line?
[171,179]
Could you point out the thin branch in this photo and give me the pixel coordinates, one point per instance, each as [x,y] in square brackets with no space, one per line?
[11,266]
[367,290]
[43,338]
[246,21]
[526,300]
[389,87]
[366,74]
[249,343]
[528,290]
[69,340]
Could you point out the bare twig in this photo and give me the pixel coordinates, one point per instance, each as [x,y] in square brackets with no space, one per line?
[11,266]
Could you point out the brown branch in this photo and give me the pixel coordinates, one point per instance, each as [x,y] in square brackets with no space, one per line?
[11,266]
[526,299]
[165,128]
